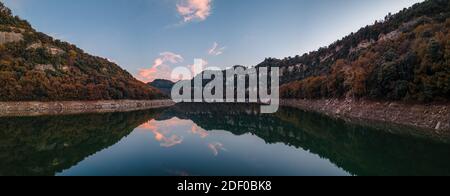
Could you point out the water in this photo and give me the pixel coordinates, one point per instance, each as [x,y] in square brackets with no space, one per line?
[199,140]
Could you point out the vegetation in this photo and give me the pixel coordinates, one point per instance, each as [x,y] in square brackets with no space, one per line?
[164,86]
[39,68]
[405,57]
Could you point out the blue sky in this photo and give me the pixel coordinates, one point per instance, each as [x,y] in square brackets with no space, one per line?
[149,37]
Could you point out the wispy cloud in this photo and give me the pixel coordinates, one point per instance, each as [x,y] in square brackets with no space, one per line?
[160,67]
[194,10]
[168,57]
[198,67]
[216,50]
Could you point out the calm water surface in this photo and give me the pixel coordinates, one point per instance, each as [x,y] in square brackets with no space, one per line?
[198,140]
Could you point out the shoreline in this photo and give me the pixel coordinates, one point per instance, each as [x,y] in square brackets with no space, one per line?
[36,108]
[433,117]
[419,119]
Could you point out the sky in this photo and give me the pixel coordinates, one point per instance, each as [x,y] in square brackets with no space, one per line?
[149,38]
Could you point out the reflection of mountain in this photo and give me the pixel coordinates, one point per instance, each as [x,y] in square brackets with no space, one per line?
[47,145]
[359,150]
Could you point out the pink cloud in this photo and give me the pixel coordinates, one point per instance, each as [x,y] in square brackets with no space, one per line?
[160,68]
[194,9]
[162,134]
[216,50]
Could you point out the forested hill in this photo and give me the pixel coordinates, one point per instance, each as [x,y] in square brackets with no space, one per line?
[36,67]
[165,86]
[404,57]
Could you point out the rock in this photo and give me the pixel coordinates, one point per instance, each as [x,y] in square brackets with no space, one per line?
[34,46]
[51,49]
[44,67]
[7,37]
[438,126]
[390,36]
[55,51]
[63,68]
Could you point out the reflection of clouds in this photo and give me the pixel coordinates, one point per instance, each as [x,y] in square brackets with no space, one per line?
[216,147]
[148,125]
[176,122]
[168,141]
[196,130]
[162,132]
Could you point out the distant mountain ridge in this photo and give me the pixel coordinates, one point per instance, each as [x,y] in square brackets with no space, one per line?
[164,86]
[36,67]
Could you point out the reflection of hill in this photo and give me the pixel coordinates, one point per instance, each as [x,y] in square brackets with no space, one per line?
[359,150]
[47,145]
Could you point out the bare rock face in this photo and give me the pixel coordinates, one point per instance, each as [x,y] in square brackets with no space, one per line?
[43,68]
[63,68]
[53,50]
[7,37]
[390,36]
[34,46]
[78,107]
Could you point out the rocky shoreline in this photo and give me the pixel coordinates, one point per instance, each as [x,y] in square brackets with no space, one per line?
[78,107]
[434,118]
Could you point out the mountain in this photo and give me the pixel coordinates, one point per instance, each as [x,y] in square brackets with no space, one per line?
[164,86]
[36,67]
[405,57]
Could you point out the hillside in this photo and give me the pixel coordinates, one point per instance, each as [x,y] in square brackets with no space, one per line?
[165,86]
[36,67]
[405,57]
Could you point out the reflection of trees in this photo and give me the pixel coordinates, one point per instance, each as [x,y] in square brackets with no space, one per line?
[359,150]
[47,145]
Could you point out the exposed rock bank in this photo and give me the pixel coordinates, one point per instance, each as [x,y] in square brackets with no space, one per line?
[76,107]
[435,117]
